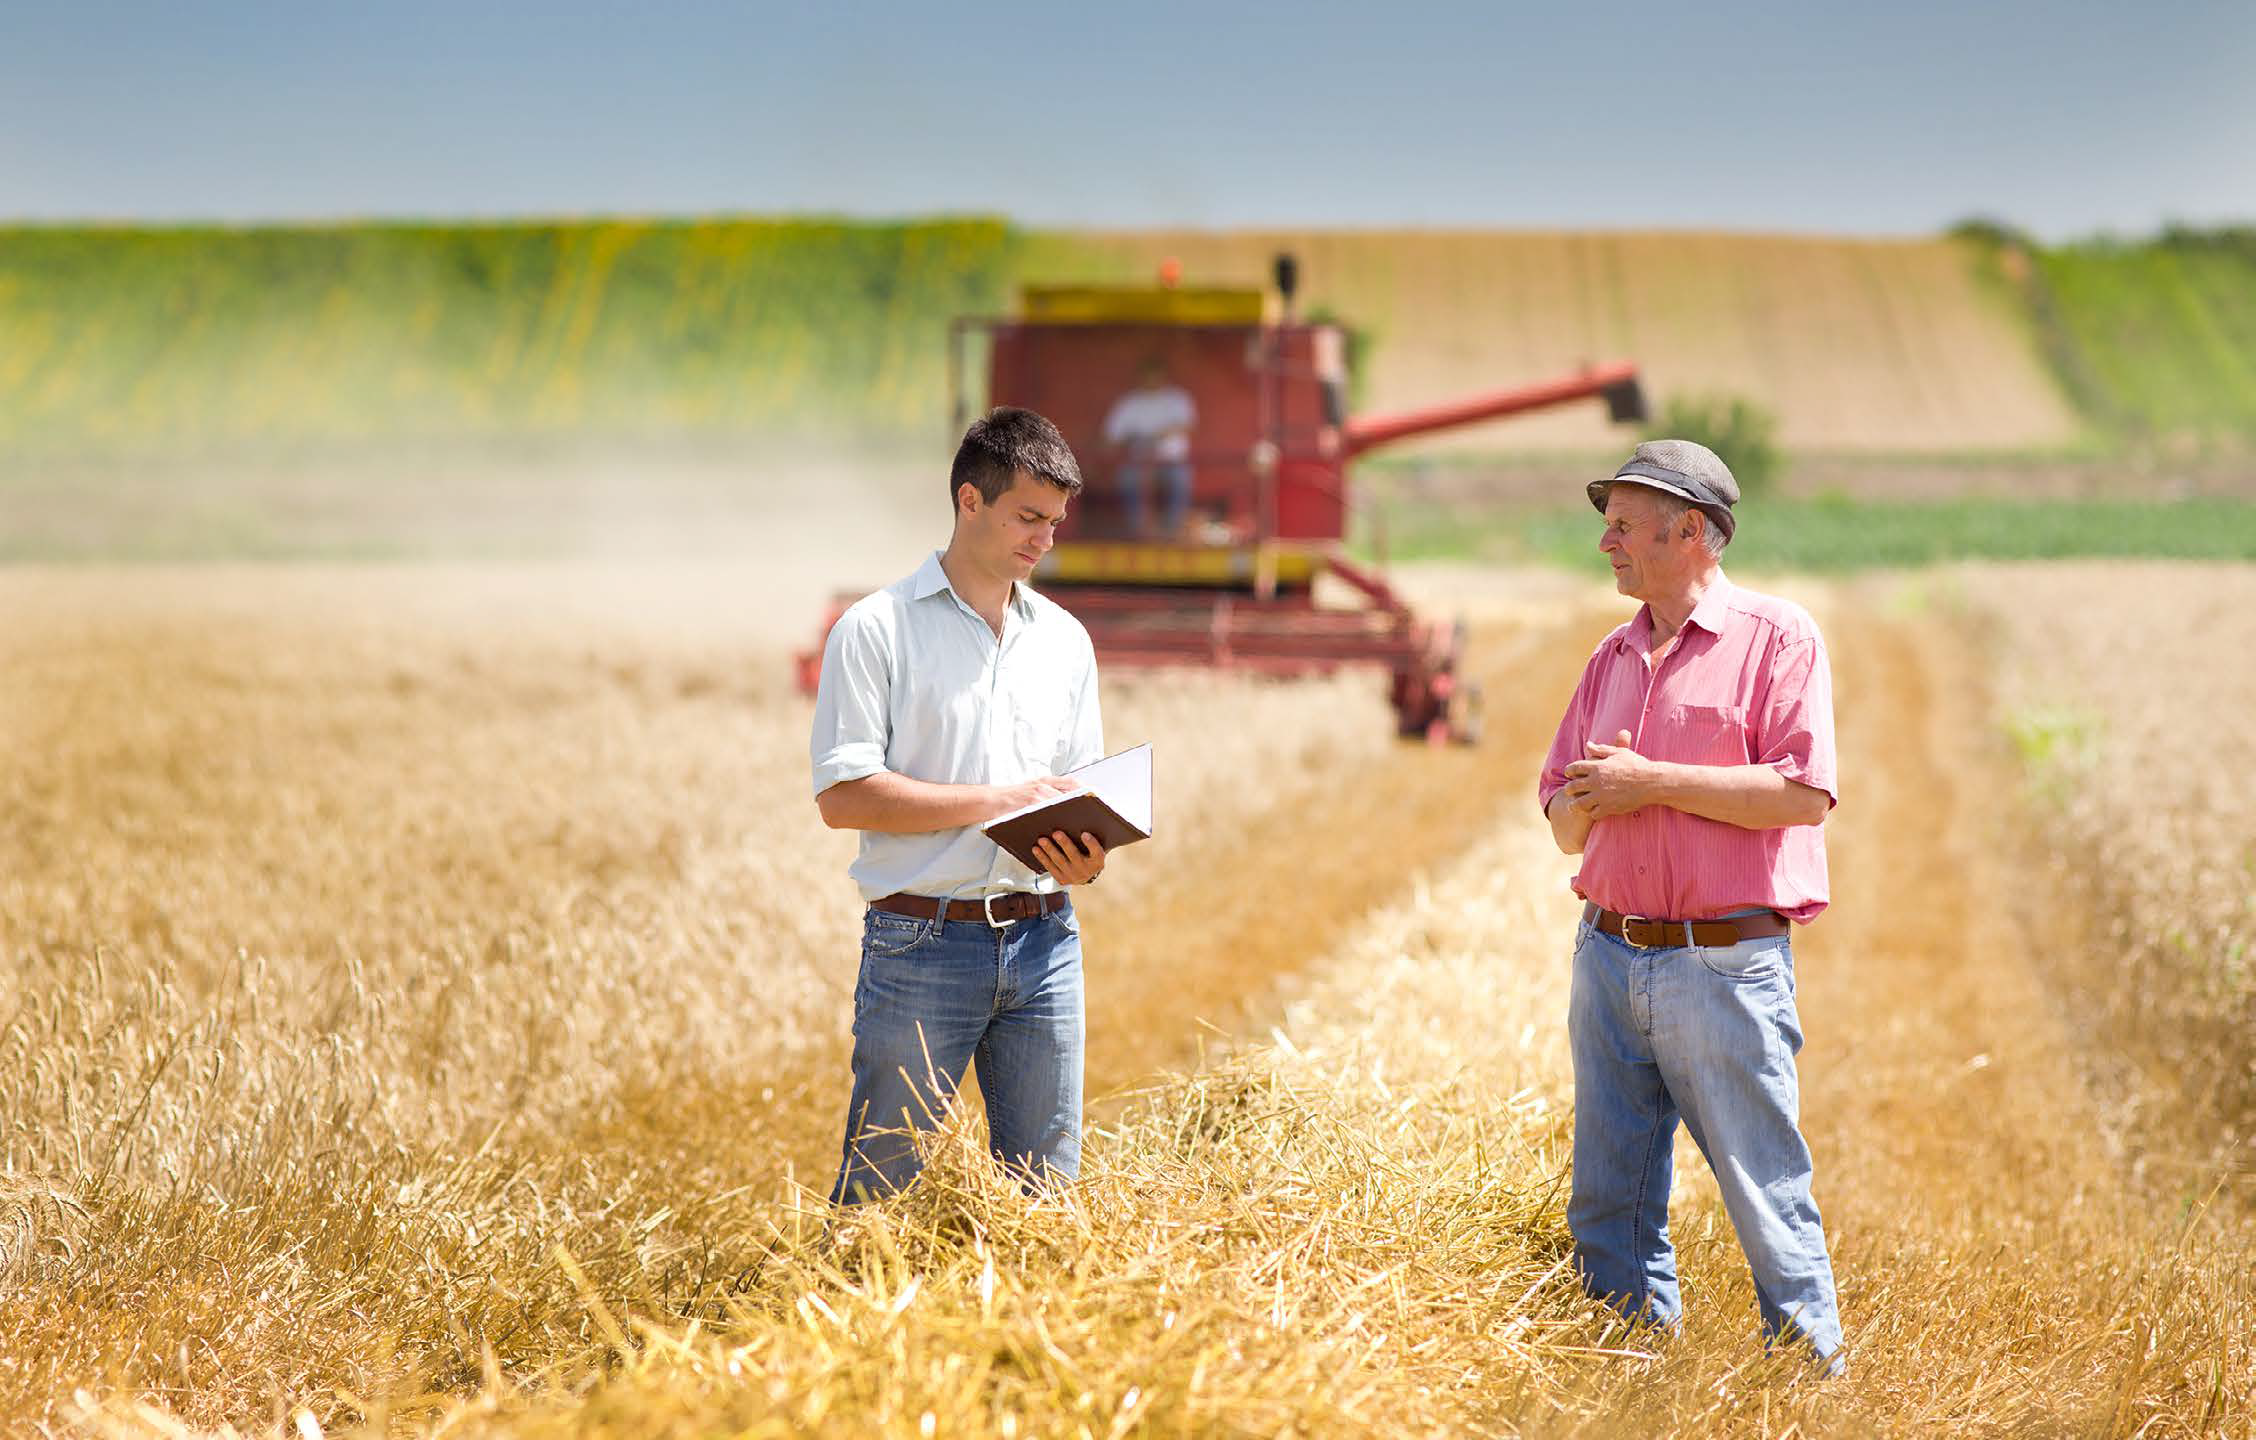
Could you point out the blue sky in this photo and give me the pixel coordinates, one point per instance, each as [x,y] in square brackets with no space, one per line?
[1867,118]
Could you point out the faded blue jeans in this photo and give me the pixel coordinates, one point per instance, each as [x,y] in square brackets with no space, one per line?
[933,998]
[1708,1035]
[1174,478]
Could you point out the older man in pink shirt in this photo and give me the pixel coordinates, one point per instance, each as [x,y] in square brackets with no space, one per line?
[1692,773]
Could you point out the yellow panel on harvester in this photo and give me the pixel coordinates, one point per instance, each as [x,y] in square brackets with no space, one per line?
[1141,305]
[1143,563]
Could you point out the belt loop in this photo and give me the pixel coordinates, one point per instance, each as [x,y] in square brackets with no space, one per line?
[940,912]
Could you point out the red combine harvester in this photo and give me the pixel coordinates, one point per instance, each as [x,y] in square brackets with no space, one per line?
[1236,584]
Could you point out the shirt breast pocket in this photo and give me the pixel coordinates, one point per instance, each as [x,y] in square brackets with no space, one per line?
[1708,735]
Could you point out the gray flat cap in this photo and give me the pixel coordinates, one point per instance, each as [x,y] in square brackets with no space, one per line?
[1682,468]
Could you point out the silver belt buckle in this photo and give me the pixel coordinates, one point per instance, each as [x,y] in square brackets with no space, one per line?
[987,905]
[1629,920]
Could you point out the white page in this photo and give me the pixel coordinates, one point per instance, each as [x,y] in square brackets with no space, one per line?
[1122,781]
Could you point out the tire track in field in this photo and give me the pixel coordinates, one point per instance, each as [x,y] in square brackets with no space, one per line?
[1936,1054]
[1981,1234]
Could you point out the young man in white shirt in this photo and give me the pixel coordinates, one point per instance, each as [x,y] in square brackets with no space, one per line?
[947,699]
[1149,429]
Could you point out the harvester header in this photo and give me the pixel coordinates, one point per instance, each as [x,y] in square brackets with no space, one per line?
[1616,384]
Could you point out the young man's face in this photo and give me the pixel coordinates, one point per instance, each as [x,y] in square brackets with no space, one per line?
[1008,538]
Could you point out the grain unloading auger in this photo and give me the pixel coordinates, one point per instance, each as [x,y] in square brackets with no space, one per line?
[1235,585]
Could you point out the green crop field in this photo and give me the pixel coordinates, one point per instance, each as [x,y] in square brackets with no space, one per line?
[164,343]
[1830,535]
[2159,338]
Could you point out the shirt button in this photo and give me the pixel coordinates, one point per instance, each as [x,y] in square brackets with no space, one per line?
[1640,869]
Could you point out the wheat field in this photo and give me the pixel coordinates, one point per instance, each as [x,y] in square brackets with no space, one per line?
[427,998]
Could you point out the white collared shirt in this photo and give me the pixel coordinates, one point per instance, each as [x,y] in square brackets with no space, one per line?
[1156,421]
[913,681]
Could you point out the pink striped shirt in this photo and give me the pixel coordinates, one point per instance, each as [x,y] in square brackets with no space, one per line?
[1747,683]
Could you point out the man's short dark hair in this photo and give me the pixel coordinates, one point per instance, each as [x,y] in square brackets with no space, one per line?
[1005,441]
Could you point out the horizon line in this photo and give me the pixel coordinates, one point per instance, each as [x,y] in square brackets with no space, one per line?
[407,220]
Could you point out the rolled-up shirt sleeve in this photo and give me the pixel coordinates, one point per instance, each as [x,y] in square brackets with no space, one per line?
[1796,738]
[853,702]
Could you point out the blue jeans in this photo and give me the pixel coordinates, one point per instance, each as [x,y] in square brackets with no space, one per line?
[1174,479]
[935,996]
[1708,1035]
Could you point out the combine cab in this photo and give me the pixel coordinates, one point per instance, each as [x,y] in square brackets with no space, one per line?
[1236,583]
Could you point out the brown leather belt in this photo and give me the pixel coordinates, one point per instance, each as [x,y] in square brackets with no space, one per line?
[1641,933]
[1005,909]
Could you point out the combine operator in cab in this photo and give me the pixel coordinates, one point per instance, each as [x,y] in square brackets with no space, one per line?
[1148,432]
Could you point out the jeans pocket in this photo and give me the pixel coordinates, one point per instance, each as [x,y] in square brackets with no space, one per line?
[886,935]
[1749,960]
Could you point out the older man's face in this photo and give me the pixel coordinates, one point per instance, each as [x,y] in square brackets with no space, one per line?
[1649,556]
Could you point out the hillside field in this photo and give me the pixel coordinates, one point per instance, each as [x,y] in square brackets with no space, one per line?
[1857,345]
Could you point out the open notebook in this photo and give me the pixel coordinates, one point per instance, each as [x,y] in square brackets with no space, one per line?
[1114,804]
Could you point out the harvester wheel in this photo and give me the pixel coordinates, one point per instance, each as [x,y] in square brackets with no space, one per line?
[1461,700]
[1465,717]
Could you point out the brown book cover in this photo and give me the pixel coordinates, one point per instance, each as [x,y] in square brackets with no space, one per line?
[1077,814]
[1113,804]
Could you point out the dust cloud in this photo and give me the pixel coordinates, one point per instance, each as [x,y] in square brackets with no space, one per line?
[771,530]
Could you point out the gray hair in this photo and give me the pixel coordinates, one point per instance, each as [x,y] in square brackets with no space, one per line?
[1713,537]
